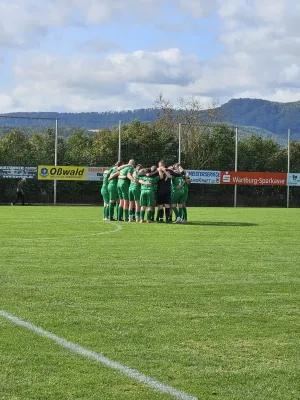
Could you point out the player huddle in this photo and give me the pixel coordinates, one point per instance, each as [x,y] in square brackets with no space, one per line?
[131,193]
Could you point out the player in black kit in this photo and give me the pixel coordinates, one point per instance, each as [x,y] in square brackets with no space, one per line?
[163,199]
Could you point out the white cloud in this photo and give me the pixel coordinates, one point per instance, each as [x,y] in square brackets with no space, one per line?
[105,73]
[198,8]
[6,101]
[24,22]
[260,56]
[114,81]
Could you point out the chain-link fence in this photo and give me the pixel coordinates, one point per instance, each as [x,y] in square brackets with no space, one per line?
[44,141]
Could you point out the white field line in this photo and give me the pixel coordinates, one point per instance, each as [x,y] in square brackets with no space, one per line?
[101,359]
[118,228]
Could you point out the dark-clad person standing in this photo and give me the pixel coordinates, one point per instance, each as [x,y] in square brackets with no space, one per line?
[163,199]
[20,192]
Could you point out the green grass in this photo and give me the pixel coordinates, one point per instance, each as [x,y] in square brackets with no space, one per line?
[211,308]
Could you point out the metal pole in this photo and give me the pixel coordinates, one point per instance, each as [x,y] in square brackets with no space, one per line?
[179,143]
[55,159]
[119,149]
[236,164]
[288,170]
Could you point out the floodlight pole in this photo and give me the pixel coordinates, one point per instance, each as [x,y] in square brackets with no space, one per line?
[236,164]
[288,170]
[120,132]
[179,143]
[55,159]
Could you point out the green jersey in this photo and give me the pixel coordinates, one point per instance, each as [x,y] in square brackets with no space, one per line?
[125,170]
[105,179]
[148,179]
[155,182]
[183,174]
[114,181]
[134,185]
[176,181]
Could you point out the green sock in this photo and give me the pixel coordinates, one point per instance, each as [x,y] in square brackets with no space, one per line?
[104,211]
[133,211]
[107,211]
[138,215]
[126,214]
[142,215]
[181,212]
[149,213]
[120,216]
[111,210]
[175,209]
[184,213]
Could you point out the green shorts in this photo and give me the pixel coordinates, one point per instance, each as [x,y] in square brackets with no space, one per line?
[113,193]
[146,199]
[177,197]
[135,194]
[123,189]
[105,194]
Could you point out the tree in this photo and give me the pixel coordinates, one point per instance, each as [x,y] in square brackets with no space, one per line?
[104,148]
[257,154]
[198,123]
[79,149]
[15,149]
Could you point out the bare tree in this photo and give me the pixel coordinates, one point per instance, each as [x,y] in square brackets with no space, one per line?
[198,122]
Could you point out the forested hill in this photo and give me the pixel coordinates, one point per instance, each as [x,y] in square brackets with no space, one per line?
[274,117]
[86,120]
[266,115]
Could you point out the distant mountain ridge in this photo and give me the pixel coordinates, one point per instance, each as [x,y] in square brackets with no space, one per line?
[263,117]
[272,116]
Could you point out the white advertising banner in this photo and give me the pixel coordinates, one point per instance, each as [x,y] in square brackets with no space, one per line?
[205,177]
[17,172]
[95,173]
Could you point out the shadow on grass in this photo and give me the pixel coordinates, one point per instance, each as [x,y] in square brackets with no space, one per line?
[221,223]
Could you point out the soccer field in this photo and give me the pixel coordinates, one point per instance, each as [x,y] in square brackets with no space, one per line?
[208,310]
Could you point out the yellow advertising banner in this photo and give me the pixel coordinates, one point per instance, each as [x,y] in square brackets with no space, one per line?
[61,173]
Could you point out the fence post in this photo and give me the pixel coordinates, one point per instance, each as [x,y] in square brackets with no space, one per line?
[236,164]
[288,170]
[119,148]
[179,143]
[55,161]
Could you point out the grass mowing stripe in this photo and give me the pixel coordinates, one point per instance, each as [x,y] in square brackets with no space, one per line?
[101,359]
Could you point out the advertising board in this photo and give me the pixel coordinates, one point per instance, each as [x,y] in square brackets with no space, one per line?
[254,178]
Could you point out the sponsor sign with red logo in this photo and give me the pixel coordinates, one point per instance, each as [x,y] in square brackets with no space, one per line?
[254,178]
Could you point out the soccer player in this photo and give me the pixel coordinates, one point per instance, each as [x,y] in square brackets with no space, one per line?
[163,200]
[177,193]
[134,195]
[105,194]
[147,193]
[20,192]
[187,179]
[153,169]
[112,189]
[124,178]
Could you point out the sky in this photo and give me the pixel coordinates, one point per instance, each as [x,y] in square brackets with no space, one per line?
[101,55]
